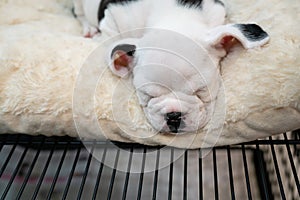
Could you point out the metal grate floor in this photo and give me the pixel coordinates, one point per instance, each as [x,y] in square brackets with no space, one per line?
[65,168]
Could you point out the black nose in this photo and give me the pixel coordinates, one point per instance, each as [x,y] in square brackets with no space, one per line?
[173,121]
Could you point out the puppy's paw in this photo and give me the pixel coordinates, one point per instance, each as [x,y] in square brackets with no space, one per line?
[90,31]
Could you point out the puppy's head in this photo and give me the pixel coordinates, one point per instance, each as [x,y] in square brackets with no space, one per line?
[177,79]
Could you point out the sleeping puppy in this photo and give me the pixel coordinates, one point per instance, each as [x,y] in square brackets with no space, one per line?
[174,57]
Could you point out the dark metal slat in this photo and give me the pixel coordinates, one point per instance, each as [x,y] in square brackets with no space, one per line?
[7,159]
[185,175]
[262,173]
[104,143]
[57,173]
[37,188]
[30,170]
[112,180]
[200,176]
[215,174]
[71,174]
[230,173]
[86,171]
[246,173]
[275,142]
[14,174]
[171,175]
[142,175]
[127,174]
[155,182]
[277,171]
[295,174]
[98,179]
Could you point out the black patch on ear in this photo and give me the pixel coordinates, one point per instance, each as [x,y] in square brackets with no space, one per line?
[104,4]
[252,32]
[191,3]
[128,48]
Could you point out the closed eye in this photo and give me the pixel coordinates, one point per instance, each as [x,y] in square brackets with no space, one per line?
[204,95]
[144,98]
[199,92]
[150,95]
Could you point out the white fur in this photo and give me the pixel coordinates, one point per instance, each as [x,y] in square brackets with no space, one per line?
[175,76]
[192,34]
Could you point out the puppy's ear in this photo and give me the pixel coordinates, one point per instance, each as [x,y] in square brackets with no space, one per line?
[121,57]
[249,35]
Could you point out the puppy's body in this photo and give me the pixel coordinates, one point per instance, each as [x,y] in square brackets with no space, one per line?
[173,57]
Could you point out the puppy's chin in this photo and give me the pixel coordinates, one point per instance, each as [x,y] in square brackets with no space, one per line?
[181,131]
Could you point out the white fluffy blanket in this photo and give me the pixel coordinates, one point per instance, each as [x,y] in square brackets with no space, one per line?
[42,60]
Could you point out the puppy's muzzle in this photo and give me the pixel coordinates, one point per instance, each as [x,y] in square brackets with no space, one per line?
[173,121]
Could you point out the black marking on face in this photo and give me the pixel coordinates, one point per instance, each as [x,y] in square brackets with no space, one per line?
[105,3]
[219,2]
[128,48]
[252,32]
[73,12]
[191,3]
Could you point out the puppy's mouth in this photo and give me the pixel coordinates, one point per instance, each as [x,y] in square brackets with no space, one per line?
[174,131]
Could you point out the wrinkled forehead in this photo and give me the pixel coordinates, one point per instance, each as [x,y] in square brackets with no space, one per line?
[167,47]
[166,61]
[173,71]
[171,74]
[172,60]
